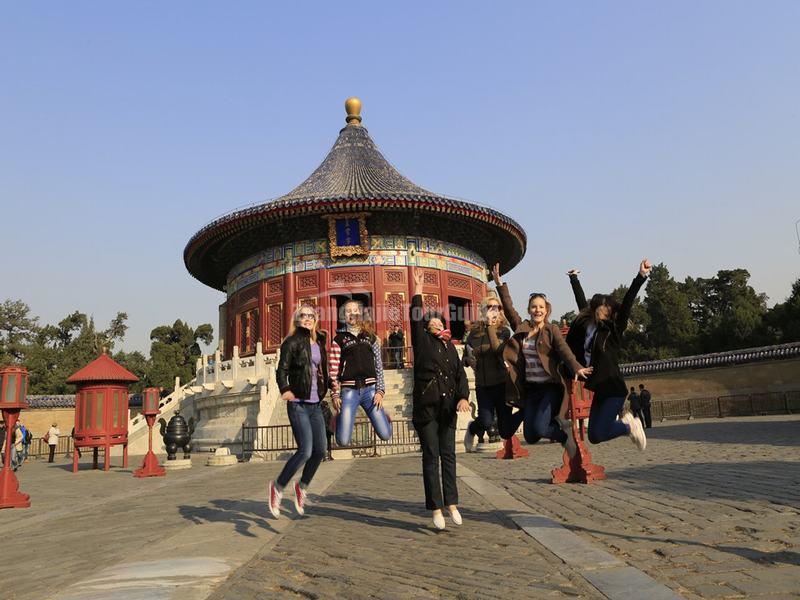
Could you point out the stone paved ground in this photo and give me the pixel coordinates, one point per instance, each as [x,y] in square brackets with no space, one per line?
[369,537]
[711,509]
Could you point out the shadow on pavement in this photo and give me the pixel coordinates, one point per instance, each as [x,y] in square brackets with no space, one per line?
[242,514]
[353,507]
[787,557]
[772,432]
[767,480]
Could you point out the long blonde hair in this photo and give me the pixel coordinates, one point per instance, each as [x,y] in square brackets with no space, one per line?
[479,326]
[296,322]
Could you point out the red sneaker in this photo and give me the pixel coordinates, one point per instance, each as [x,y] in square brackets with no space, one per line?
[275,497]
[299,499]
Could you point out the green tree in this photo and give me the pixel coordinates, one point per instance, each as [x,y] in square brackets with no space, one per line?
[672,330]
[728,311]
[174,351]
[783,320]
[18,328]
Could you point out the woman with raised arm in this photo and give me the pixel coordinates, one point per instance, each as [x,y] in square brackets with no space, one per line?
[534,353]
[356,372]
[302,376]
[596,338]
[440,390]
[483,352]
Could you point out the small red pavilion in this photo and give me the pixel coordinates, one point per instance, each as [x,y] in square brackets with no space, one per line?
[101,408]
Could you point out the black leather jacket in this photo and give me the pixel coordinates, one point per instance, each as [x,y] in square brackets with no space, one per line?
[294,367]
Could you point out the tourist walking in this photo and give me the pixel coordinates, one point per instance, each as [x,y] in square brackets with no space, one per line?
[483,352]
[17,439]
[595,338]
[440,390]
[51,437]
[302,377]
[534,354]
[356,372]
[645,399]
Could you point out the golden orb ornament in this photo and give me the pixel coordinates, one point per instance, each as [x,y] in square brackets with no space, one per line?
[353,108]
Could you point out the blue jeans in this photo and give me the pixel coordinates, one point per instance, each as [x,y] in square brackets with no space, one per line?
[491,400]
[308,428]
[603,423]
[542,401]
[352,398]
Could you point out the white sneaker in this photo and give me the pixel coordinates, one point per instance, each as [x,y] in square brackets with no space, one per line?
[275,497]
[438,520]
[469,440]
[570,445]
[637,434]
[456,516]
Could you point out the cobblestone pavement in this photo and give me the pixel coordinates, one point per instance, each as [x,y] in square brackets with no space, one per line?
[370,537]
[78,525]
[711,508]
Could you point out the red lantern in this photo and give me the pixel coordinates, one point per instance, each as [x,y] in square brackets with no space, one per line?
[151,397]
[13,393]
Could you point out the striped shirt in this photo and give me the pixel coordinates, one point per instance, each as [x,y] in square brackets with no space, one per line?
[534,370]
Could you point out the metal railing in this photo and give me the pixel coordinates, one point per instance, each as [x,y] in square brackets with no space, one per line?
[397,357]
[272,439]
[738,405]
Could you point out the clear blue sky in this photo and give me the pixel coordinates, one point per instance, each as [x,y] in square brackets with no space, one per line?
[610,131]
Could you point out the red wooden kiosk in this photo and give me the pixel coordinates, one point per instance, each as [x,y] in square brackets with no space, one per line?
[101,408]
[579,468]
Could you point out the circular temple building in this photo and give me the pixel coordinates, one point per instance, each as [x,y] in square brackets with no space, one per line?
[353,229]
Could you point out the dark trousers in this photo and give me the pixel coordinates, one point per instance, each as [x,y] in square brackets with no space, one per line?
[491,401]
[542,401]
[308,428]
[648,417]
[438,441]
[603,423]
[52,453]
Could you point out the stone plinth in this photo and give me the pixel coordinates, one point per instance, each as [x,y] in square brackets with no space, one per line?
[222,457]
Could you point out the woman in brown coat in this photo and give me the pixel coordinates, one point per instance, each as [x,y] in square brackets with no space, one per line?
[533,355]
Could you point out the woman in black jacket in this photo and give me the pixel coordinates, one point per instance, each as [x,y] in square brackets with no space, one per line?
[595,337]
[440,390]
[302,376]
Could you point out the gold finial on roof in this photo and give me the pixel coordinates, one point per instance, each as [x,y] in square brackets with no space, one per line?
[353,108]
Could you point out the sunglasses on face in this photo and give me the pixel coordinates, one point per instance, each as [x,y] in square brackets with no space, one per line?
[308,316]
[492,307]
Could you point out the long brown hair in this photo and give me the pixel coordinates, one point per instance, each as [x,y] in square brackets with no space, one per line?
[365,323]
[296,322]
[548,312]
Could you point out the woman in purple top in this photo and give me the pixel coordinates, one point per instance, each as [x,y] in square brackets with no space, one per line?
[302,376]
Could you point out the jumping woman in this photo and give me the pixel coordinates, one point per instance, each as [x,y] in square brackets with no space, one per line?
[440,390]
[534,353]
[596,338]
[357,374]
[485,342]
[302,376]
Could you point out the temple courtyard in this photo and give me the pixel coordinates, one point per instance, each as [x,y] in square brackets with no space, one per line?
[710,510]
